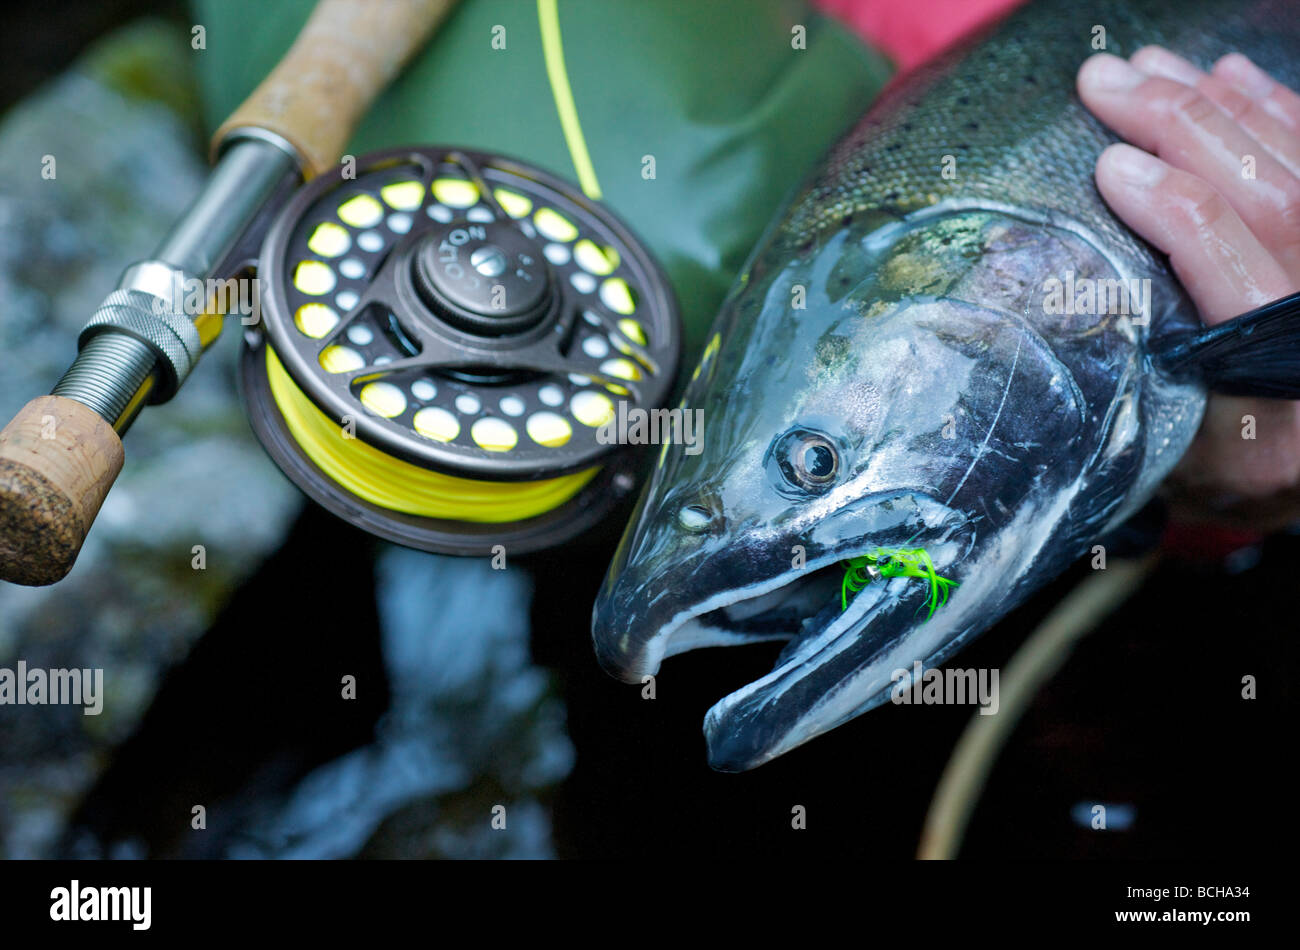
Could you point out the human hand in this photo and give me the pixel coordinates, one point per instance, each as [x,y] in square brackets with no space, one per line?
[1233,240]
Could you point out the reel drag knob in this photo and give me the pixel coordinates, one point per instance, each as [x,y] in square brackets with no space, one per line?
[485,279]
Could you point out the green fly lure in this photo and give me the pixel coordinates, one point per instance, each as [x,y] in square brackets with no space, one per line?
[894,562]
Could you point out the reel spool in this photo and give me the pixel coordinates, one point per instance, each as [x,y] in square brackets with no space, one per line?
[442,335]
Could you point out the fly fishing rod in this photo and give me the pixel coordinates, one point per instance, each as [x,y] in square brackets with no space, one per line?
[62,452]
[442,332]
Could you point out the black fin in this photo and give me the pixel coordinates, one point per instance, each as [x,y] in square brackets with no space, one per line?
[1255,354]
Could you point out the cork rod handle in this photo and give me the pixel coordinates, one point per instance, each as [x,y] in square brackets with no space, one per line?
[346,53]
[58,459]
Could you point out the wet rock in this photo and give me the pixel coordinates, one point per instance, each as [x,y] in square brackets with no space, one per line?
[125,164]
[472,743]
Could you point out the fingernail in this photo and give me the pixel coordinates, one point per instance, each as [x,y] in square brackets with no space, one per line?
[1246,74]
[1108,73]
[1161,62]
[1134,166]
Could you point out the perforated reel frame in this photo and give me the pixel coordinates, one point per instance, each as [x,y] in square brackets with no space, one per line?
[358,292]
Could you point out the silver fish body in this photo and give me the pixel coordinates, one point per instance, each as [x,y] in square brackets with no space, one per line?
[933,347]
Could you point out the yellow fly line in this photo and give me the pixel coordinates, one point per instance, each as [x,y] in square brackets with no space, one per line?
[398,485]
[548,17]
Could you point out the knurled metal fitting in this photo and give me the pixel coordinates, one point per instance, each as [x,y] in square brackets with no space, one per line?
[150,319]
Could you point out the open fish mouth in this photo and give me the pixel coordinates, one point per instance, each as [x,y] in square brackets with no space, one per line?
[832,635]
[809,603]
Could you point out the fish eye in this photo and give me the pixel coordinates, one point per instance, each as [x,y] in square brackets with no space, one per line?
[807,459]
[817,461]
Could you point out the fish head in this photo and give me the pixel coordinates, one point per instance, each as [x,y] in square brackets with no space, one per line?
[883,388]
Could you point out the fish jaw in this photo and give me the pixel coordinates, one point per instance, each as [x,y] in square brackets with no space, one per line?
[850,668]
[751,592]
[638,621]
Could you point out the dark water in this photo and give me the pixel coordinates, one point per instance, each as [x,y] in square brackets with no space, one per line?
[1146,718]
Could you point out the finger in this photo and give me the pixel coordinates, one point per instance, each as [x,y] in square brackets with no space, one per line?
[1281,140]
[1281,102]
[1219,261]
[1190,132]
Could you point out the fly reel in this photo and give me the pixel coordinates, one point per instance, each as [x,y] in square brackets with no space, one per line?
[442,337]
